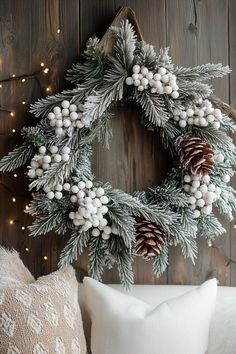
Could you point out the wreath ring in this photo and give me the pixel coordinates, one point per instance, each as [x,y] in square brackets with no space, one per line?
[115,225]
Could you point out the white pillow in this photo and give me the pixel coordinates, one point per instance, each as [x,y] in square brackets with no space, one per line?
[122,324]
[222,339]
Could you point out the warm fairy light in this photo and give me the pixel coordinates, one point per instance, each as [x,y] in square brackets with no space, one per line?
[13,75]
[27,249]
[15,175]
[58,30]
[0,85]
[46,70]
[48,89]
[11,222]
[13,130]
[45,258]
[210,244]
[12,114]
[42,64]
[23,80]
[23,102]
[13,199]
[235,225]
[23,228]
[26,207]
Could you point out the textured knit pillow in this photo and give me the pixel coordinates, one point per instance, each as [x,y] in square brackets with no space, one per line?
[122,324]
[12,269]
[42,317]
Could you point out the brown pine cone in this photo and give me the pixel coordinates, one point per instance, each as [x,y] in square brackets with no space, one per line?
[149,239]
[195,155]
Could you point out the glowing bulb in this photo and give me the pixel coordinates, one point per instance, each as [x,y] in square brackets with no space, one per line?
[58,30]
[13,130]
[13,75]
[12,114]
[45,258]
[23,102]
[210,244]
[23,228]
[15,175]
[46,70]
[14,199]
[0,85]
[26,207]
[23,80]
[42,64]
[48,89]
[235,226]
[27,249]
[11,222]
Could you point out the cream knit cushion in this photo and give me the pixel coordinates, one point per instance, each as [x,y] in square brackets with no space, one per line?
[43,317]
[12,269]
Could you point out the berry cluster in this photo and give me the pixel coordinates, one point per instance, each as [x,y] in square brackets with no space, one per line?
[43,160]
[92,206]
[202,193]
[200,114]
[162,82]
[67,115]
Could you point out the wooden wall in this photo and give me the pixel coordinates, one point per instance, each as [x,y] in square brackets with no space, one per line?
[197,31]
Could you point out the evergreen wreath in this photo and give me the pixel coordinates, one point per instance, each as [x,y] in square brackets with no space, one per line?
[115,225]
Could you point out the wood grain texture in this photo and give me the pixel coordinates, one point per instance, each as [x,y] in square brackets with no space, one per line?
[195,39]
[197,32]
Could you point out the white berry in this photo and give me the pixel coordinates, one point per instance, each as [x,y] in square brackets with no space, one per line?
[50,195]
[225,178]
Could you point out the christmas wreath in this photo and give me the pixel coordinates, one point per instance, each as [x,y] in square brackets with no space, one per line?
[116,226]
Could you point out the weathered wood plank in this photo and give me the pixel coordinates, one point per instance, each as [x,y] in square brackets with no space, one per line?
[195,39]
[28,35]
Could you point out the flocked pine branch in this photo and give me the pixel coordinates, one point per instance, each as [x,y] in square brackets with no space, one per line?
[74,247]
[92,67]
[201,72]
[111,91]
[153,106]
[161,262]
[145,55]
[126,38]
[96,258]
[16,158]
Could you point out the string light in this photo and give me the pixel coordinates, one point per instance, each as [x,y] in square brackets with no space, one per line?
[46,70]
[11,222]
[58,30]
[27,249]
[45,258]
[209,242]
[13,199]
[23,102]
[13,75]
[23,228]
[235,226]
[0,85]
[15,175]
[48,89]
[12,114]
[42,64]
[26,207]
[13,130]
[23,80]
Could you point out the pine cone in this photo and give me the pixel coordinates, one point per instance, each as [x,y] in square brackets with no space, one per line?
[149,239]
[195,155]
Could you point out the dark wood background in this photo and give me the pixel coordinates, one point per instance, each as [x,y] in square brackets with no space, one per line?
[197,31]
